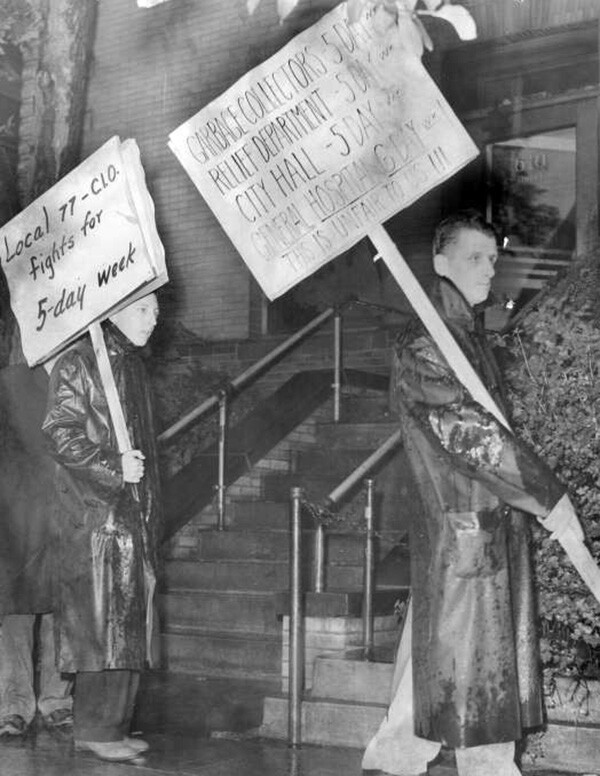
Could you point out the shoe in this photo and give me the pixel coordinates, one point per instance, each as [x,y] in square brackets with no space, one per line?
[14,725]
[115,751]
[60,718]
[137,744]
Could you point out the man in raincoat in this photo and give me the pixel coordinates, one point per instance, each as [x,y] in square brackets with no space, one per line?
[471,681]
[26,557]
[109,522]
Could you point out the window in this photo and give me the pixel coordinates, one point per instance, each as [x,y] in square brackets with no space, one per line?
[531,199]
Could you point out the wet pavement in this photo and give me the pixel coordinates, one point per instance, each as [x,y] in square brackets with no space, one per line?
[195,727]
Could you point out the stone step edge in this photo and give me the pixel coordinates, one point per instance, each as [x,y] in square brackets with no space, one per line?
[261,561]
[220,592]
[233,634]
[248,673]
[278,591]
[328,701]
[401,590]
[401,534]
[310,699]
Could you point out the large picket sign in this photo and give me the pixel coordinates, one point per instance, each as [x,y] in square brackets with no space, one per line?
[83,249]
[339,130]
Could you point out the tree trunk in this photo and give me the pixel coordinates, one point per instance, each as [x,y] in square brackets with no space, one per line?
[53,98]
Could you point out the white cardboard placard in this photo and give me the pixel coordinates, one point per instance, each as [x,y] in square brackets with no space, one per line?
[81,250]
[338,131]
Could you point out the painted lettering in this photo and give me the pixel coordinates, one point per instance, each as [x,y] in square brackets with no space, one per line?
[115,269]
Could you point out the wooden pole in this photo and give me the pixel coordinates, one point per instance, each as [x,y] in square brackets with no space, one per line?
[112,395]
[110,388]
[296,651]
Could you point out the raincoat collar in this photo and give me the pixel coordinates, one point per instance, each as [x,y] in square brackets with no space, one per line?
[116,341]
[451,304]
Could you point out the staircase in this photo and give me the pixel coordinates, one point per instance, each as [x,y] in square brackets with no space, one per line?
[346,705]
[219,614]
[347,702]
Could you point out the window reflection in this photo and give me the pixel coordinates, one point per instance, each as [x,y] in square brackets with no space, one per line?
[531,187]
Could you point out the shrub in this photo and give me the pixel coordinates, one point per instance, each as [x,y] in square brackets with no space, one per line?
[554,387]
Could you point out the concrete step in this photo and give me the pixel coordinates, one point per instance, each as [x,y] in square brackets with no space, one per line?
[336,637]
[262,514]
[249,612]
[261,612]
[349,699]
[355,435]
[316,487]
[343,603]
[324,721]
[221,653]
[565,747]
[277,487]
[267,575]
[267,514]
[352,680]
[372,406]
[274,545]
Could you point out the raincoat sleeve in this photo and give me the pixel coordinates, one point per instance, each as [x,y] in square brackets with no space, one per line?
[475,443]
[71,399]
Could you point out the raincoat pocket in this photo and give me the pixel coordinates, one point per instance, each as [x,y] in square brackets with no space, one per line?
[473,543]
[114,589]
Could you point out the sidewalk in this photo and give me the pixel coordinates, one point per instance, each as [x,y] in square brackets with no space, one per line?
[195,728]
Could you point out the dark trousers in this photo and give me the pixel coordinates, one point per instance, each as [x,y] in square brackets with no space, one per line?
[103,704]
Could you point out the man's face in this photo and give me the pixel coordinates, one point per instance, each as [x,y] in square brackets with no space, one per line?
[469,262]
[137,321]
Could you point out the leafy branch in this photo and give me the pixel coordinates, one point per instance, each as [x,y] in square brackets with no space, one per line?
[554,380]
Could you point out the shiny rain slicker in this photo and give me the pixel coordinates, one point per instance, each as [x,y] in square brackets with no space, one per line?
[475,646]
[27,494]
[107,538]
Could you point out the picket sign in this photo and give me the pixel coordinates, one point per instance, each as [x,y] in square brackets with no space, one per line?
[83,250]
[576,550]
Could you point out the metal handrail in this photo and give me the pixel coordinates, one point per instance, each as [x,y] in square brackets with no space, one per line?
[220,398]
[376,306]
[296,658]
[363,469]
[265,362]
[338,493]
[244,377]
[295,649]
[369,573]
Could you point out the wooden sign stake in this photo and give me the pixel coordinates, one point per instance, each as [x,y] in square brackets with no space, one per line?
[112,395]
[110,388]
